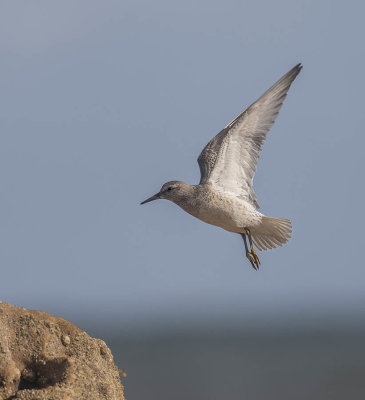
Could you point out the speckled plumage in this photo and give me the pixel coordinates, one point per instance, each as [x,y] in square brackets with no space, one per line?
[221,209]
[225,195]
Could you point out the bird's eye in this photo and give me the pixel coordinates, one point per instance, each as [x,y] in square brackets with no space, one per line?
[169,188]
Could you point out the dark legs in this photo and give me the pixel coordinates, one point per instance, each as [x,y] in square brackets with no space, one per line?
[251,255]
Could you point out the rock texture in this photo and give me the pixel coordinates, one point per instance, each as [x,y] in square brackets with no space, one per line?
[43,357]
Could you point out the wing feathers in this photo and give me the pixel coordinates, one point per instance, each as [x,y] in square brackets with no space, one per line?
[229,160]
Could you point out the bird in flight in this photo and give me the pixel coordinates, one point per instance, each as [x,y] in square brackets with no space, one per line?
[225,195]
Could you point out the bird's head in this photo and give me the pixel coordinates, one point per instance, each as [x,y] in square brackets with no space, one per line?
[174,191]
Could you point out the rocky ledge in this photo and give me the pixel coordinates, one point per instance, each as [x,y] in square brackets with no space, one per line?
[43,357]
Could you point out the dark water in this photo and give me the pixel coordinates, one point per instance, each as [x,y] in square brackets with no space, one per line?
[243,366]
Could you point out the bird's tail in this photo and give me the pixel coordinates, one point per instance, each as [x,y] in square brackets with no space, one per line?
[272,232]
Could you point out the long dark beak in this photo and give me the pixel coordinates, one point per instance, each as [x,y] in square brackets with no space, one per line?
[155,197]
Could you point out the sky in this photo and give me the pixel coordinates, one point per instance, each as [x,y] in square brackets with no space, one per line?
[101,102]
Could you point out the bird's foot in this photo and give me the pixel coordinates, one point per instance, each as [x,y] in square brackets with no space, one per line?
[251,255]
[256,257]
[254,260]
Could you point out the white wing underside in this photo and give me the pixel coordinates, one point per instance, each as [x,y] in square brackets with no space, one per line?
[229,160]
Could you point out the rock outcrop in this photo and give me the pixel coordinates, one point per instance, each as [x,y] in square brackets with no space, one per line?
[43,357]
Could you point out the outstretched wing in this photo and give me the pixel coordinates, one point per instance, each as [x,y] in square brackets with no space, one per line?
[229,160]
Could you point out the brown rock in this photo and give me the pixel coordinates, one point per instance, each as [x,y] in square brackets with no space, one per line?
[43,357]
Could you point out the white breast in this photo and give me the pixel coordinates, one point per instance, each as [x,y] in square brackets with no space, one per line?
[223,209]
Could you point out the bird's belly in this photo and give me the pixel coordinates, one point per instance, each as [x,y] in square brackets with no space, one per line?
[219,219]
[230,214]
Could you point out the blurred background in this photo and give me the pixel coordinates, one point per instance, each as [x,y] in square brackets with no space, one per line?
[101,102]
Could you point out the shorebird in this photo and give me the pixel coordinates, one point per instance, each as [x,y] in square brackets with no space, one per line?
[225,195]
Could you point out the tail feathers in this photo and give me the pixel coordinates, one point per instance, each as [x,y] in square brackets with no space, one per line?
[272,232]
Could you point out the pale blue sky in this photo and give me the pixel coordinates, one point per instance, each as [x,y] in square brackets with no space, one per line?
[101,102]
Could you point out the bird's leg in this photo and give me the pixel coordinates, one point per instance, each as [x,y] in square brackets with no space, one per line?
[250,256]
[253,251]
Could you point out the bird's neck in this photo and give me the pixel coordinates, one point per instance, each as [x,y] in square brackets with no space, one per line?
[186,196]
[187,199]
